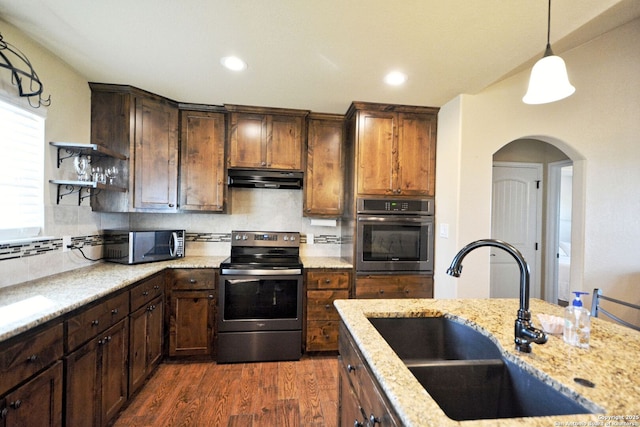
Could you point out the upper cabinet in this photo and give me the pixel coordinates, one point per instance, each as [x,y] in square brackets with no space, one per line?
[202,160]
[266,138]
[143,127]
[393,149]
[324,176]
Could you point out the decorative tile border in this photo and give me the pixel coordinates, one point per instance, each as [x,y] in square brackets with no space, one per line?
[40,247]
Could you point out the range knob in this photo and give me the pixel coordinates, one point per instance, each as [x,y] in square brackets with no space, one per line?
[244,237]
[285,238]
[293,238]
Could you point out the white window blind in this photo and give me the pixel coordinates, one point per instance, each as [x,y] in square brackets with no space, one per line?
[21,172]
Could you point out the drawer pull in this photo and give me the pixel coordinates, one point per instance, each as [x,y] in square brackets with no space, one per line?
[32,358]
[351,368]
[95,322]
[357,423]
[16,404]
[327,306]
[381,291]
[373,420]
[114,311]
[3,413]
[211,296]
[145,293]
[193,281]
[156,287]
[327,281]
[151,308]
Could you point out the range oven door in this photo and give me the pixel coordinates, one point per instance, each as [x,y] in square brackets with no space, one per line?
[260,303]
[394,243]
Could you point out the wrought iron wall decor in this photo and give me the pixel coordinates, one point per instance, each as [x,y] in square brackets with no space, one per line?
[22,74]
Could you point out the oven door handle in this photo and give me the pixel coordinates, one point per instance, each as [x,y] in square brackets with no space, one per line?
[396,219]
[261,272]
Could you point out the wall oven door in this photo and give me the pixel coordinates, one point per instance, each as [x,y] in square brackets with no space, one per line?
[394,243]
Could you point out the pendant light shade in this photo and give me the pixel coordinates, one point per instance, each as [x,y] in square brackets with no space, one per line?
[549,81]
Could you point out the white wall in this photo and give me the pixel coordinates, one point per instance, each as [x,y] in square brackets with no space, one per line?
[598,127]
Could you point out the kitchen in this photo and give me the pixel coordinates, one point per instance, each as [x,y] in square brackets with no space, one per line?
[471,127]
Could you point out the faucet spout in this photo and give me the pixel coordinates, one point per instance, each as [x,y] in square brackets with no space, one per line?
[525,332]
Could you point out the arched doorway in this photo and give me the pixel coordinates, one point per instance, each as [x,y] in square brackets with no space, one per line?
[526,210]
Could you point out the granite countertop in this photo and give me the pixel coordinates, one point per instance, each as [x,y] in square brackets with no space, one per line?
[29,304]
[611,362]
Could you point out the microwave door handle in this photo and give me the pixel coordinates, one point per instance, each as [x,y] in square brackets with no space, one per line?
[173,244]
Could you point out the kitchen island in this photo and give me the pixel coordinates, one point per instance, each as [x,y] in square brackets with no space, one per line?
[611,362]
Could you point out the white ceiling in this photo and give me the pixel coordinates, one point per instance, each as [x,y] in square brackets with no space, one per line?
[310,54]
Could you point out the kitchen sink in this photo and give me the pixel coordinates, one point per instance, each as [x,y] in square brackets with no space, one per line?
[466,373]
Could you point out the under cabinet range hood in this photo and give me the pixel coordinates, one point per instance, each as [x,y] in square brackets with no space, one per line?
[259,178]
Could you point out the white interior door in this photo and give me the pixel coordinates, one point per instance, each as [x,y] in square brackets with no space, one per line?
[516,218]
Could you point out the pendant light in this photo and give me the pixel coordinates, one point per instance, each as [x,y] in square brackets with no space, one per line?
[549,81]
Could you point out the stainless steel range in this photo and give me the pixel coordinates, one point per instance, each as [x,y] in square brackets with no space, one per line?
[261,298]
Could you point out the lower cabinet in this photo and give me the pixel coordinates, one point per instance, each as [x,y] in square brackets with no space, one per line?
[361,402]
[394,286]
[192,312]
[96,378]
[145,342]
[36,403]
[323,287]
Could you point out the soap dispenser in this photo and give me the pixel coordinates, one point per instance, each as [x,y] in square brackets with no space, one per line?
[577,323]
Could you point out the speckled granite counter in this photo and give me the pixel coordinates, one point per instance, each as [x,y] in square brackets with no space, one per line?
[612,362]
[29,304]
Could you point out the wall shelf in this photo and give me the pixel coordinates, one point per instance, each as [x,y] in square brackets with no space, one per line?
[68,187]
[74,149]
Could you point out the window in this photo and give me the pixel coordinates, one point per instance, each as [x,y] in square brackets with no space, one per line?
[21,172]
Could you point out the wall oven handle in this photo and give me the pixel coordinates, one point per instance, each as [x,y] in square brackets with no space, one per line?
[262,272]
[396,219]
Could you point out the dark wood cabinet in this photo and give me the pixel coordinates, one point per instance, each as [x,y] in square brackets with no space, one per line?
[192,312]
[394,286]
[266,138]
[393,149]
[361,401]
[324,176]
[31,379]
[322,320]
[202,161]
[144,128]
[36,403]
[96,377]
[146,329]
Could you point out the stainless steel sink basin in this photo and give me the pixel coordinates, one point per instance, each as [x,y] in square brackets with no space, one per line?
[466,374]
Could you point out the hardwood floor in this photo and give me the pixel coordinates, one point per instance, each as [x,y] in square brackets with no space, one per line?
[272,394]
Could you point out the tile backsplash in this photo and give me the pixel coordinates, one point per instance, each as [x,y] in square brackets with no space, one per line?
[207,234]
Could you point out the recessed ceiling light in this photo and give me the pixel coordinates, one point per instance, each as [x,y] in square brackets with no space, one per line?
[395,78]
[233,63]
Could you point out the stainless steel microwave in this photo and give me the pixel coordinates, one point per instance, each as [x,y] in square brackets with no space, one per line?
[139,246]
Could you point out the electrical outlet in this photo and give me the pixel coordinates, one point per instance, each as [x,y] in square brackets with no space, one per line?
[66,242]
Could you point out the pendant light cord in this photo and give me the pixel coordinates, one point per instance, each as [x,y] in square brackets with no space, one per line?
[548,51]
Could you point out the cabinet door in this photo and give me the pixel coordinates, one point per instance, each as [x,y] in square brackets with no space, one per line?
[38,402]
[323,189]
[350,409]
[416,154]
[202,173]
[155,333]
[284,142]
[191,330]
[376,153]
[113,370]
[246,136]
[156,155]
[82,384]
[145,342]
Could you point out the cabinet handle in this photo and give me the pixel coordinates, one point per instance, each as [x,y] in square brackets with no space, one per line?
[263,164]
[151,308]
[171,205]
[327,281]
[381,291]
[95,322]
[328,306]
[211,296]
[16,404]
[373,420]
[3,413]
[351,368]
[357,423]
[32,358]
[114,311]
[193,281]
[145,293]
[156,287]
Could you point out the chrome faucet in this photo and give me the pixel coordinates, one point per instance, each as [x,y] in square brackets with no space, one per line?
[525,333]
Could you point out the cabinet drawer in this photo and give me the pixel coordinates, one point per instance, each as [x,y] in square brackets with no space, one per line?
[28,356]
[327,280]
[146,291]
[320,304]
[88,323]
[394,287]
[196,278]
[322,335]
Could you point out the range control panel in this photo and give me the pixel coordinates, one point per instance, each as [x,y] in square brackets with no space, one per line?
[265,238]
[391,206]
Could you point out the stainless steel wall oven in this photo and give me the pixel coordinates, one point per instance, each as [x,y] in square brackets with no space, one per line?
[394,235]
[260,299]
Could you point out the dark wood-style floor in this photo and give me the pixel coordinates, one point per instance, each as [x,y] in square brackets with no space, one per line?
[272,394]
